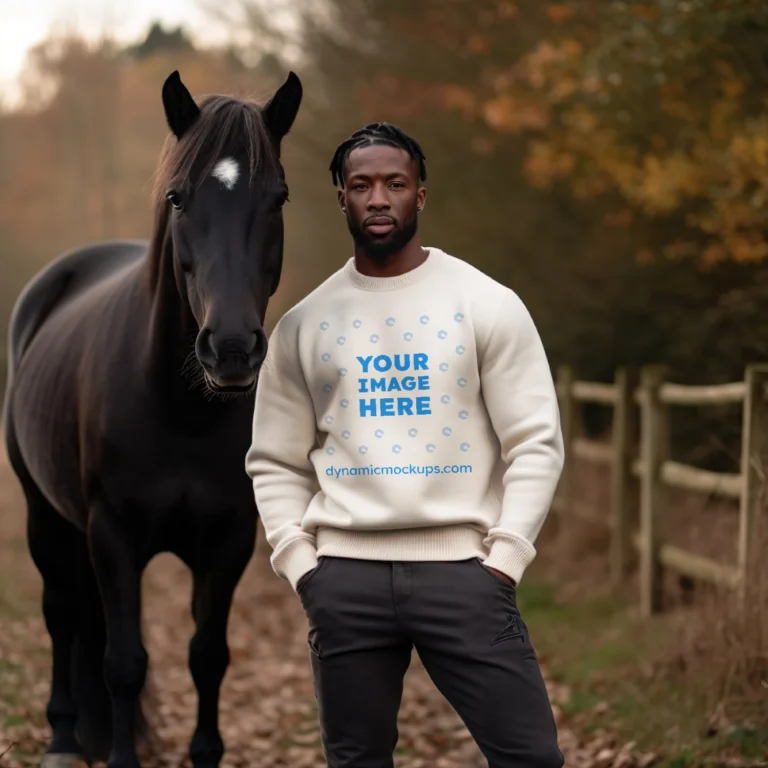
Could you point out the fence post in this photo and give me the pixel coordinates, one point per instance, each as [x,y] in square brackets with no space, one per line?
[623,486]
[654,448]
[754,452]
[565,379]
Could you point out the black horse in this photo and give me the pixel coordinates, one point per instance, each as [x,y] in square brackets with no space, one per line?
[128,415]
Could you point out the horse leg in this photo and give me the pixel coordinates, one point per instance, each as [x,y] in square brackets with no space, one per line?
[59,551]
[118,572]
[215,581]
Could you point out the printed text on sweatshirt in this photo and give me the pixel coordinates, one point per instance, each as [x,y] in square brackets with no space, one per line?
[405,418]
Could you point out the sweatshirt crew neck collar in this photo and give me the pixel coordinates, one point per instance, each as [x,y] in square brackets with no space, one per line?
[416,275]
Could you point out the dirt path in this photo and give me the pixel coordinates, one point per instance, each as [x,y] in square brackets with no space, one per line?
[267,711]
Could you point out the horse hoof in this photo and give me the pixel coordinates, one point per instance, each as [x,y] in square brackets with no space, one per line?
[62,760]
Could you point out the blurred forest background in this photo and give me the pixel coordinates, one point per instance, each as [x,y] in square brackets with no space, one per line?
[606,160]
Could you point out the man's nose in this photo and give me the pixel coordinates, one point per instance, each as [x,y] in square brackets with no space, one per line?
[378,199]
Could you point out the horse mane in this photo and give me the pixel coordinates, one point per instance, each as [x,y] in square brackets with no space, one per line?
[225,125]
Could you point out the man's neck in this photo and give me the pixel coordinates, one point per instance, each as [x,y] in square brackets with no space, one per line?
[412,256]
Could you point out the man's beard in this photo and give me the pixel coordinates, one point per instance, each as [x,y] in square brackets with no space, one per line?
[381,249]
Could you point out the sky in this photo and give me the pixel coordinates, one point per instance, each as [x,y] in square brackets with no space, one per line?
[24,23]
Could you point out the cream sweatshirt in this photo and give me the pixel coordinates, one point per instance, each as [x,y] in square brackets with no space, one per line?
[405,418]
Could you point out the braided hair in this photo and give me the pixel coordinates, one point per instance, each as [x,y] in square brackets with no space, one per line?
[376,133]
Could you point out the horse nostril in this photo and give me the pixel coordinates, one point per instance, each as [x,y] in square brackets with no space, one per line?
[259,349]
[204,348]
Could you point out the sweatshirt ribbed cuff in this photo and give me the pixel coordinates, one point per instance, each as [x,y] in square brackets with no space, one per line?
[295,559]
[510,555]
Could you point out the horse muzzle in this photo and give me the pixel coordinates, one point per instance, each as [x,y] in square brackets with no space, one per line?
[231,365]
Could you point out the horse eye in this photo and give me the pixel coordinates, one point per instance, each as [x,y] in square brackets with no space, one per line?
[175,199]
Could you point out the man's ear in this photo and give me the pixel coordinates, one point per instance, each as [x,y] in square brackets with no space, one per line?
[342,200]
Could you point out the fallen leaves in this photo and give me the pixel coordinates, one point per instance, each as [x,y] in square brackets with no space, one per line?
[268,714]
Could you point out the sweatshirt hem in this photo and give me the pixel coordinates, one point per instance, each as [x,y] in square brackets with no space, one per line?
[441,543]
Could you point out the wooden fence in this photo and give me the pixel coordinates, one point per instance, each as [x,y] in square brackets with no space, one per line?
[641,470]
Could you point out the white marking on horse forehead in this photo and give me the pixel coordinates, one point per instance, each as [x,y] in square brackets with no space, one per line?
[227,172]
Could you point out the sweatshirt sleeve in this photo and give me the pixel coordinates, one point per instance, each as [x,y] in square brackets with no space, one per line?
[522,403]
[278,463]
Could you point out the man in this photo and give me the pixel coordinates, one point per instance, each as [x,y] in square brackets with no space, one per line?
[406,448]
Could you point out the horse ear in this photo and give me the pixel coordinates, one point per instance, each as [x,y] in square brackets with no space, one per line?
[280,111]
[180,108]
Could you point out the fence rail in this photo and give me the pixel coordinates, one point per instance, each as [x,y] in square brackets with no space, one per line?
[642,472]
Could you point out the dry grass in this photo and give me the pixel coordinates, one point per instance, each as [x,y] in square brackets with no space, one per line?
[722,649]
[692,681]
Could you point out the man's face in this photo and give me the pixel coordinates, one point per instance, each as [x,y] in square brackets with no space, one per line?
[381,199]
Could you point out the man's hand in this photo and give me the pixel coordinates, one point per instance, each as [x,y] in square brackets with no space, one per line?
[503,576]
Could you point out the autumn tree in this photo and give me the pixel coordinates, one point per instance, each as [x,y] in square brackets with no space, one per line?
[543,170]
[378,60]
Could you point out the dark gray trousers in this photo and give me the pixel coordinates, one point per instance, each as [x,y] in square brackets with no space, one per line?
[364,619]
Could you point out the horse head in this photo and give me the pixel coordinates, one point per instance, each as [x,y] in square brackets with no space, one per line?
[223,187]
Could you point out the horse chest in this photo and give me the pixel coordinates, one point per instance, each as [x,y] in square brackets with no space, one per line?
[162,469]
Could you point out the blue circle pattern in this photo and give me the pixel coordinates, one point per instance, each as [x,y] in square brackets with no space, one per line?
[445,399]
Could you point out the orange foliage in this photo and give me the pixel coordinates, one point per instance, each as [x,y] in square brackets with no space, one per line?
[559,13]
[697,149]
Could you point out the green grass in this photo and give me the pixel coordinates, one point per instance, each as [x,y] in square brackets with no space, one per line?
[596,647]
